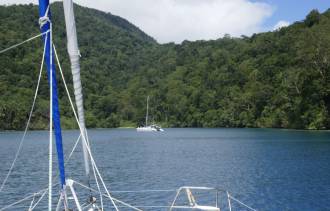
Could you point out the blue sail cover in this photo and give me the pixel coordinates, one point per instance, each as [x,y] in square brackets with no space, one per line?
[43,5]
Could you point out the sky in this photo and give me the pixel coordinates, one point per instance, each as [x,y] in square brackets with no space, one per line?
[178,20]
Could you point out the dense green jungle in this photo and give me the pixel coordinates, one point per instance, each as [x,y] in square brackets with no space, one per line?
[278,79]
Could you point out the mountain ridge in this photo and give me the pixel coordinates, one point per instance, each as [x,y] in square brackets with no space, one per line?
[273,79]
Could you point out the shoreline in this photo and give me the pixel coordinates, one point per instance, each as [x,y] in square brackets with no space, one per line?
[229,128]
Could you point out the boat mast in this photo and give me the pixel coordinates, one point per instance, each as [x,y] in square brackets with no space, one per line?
[74,55]
[147,111]
[46,29]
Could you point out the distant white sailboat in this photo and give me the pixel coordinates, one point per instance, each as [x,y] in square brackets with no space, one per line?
[149,128]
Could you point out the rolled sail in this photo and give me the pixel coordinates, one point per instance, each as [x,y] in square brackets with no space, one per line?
[74,55]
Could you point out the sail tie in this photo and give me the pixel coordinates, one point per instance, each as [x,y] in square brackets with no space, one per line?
[44,19]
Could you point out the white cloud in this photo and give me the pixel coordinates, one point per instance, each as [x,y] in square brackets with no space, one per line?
[281,24]
[178,20]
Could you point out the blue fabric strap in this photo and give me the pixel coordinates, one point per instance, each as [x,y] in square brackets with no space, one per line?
[44,21]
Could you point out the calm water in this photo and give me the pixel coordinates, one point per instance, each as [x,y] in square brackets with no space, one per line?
[267,169]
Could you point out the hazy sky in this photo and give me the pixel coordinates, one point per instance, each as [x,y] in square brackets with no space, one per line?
[178,20]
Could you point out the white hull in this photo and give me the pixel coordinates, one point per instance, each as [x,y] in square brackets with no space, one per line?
[149,129]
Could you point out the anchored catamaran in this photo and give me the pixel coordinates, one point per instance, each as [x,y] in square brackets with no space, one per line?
[100,197]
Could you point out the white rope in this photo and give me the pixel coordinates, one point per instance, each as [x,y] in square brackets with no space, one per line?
[84,136]
[46,189]
[32,202]
[163,206]
[119,201]
[22,200]
[17,202]
[99,175]
[76,117]
[41,197]
[28,122]
[155,206]
[50,169]
[44,19]
[241,203]
[23,42]
[175,198]
[83,206]
[96,206]
[143,191]
[82,133]
[98,187]
[127,205]
[228,198]
[73,149]
[43,190]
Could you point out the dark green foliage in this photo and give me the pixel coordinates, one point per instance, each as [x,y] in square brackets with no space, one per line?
[275,79]
[313,18]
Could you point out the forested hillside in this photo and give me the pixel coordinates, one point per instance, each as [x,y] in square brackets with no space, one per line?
[276,79]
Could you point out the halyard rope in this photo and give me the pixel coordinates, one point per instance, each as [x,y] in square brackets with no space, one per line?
[98,187]
[31,204]
[76,117]
[24,199]
[144,191]
[73,149]
[121,202]
[43,190]
[23,42]
[229,202]
[83,136]
[238,201]
[42,196]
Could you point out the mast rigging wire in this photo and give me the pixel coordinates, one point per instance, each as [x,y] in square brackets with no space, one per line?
[84,138]
[29,119]
[23,42]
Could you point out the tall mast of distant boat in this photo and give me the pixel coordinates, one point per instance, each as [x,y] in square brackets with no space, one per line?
[147,111]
